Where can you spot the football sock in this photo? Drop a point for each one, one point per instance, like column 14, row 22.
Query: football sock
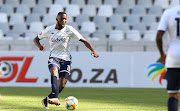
column 172, row 104
column 55, row 88
column 45, row 101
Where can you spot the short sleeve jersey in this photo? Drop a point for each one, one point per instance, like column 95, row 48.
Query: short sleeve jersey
column 170, row 21
column 59, row 40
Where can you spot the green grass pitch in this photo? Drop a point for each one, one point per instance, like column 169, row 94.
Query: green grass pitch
column 90, row 99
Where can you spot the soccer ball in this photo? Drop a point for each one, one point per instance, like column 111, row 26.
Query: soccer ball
column 71, row 103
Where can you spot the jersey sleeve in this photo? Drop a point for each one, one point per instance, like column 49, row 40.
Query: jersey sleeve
column 163, row 22
column 75, row 34
column 43, row 34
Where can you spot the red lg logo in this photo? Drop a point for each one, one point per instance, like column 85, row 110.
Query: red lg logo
column 21, row 76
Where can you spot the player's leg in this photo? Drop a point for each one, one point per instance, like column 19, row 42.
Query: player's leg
column 45, row 103
column 54, row 82
column 52, row 98
column 54, row 65
column 64, row 74
column 173, row 87
column 173, row 101
column 62, row 83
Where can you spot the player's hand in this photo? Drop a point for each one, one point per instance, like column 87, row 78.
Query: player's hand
column 162, row 59
column 94, row 54
column 42, row 47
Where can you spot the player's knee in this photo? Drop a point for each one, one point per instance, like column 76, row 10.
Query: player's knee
column 54, row 72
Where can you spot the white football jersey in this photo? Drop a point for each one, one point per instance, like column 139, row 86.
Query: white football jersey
column 59, row 40
column 170, row 21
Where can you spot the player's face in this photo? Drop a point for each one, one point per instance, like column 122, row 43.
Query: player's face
column 61, row 20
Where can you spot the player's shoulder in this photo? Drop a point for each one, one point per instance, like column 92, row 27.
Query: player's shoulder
column 69, row 26
column 51, row 27
column 172, row 10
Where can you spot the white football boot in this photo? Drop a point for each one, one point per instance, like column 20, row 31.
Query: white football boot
column 55, row 101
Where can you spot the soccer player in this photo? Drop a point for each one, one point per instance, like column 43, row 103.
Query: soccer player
column 170, row 21
column 59, row 62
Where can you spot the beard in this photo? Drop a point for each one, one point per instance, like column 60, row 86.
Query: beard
column 60, row 26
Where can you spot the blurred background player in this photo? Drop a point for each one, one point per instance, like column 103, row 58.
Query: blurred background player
column 170, row 21
column 59, row 62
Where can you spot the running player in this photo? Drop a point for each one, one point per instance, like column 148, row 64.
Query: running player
column 59, row 62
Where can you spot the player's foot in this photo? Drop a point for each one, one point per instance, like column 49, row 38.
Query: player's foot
column 45, row 103
column 55, row 101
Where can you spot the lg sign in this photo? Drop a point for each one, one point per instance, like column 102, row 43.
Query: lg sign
column 10, row 64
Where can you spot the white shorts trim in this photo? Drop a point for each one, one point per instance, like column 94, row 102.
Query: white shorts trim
column 65, row 71
column 54, row 64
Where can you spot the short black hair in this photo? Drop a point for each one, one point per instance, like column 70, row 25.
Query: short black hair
column 60, row 13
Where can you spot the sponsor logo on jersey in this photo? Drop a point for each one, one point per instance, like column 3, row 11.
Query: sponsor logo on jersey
column 58, row 39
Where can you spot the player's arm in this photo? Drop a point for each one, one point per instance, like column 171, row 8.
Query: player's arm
column 159, row 43
column 89, row 46
column 38, row 44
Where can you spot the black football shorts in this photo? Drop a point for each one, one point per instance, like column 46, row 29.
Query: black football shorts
column 173, row 80
column 63, row 66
